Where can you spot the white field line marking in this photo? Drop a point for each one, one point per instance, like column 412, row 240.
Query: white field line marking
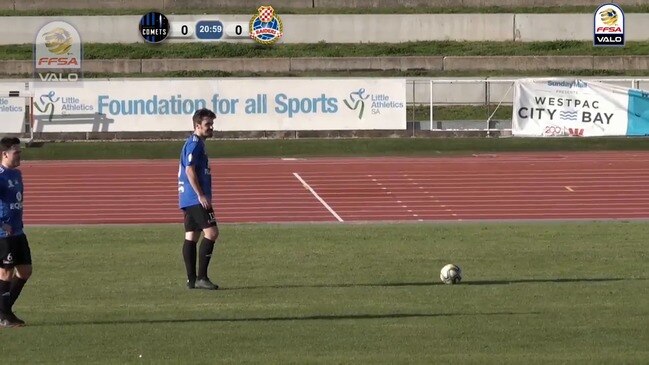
column 297, row 176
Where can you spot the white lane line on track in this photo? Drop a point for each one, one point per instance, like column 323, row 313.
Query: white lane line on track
column 297, row 176
column 388, row 192
column 585, row 173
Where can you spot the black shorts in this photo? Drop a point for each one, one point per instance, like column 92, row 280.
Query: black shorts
column 14, row 250
column 198, row 218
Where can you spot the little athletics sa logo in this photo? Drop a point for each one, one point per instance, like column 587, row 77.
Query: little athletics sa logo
column 57, row 53
column 609, row 26
column 47, row 103
column 356, row 101
column 266, row 27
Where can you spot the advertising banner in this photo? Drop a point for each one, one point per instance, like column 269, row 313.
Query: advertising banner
column 12, row 109
column 240, row 104
column 573, row 107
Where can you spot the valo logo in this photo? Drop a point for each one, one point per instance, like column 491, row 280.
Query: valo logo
column 57, row 52
column 608, row 26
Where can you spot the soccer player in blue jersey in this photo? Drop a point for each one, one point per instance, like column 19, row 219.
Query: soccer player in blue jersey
column 195, row 199
column 15, row 256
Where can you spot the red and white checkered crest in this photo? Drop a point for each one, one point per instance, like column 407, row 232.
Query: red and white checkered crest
column 266, row 13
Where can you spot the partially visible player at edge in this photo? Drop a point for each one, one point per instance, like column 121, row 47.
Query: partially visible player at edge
column 15, row 255
column 195, row 199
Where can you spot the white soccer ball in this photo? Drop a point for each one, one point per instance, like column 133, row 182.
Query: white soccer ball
column 451, row 274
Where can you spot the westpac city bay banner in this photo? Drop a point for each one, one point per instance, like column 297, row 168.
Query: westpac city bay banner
column 240, row 104
column 549, row 107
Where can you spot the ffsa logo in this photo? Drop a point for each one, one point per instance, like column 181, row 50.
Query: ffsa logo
column 608, row 26
column 57, row 52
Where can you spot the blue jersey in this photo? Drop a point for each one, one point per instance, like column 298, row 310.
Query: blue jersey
column 193, row 154
column 11, row 200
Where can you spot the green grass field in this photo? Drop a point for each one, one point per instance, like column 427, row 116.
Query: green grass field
column 323, row 49
column 314, row 147
column 328, row 293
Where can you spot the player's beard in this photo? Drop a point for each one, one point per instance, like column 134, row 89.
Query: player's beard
column 205, row 133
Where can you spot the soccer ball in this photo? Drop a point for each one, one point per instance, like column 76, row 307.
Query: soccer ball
column 451, row 274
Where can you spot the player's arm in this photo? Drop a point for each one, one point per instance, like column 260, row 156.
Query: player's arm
column 193, row 181
column 4, row 220
column 7, row 228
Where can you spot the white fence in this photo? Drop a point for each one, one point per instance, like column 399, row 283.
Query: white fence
column 423, row 98
column 488, row 92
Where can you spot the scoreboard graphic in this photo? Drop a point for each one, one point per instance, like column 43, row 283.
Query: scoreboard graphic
column 210, row 30
column 264, row 27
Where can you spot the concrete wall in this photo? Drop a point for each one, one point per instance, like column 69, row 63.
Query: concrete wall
column 391, row 28
column 83, row 4
column 461, row 3
column 539, row 27
column 6, row 4
column 206, row 4
column 416, row 63
column 520, row 63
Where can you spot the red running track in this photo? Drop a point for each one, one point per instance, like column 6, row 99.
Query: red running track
column 530, row 186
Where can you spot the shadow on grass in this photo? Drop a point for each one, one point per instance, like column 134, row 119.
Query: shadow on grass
column 566, row 280
column 331, row 317
column 318, row 317
column 428, row 283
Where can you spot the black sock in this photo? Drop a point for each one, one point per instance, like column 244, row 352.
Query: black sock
column 17, row 285
column 189, row 255
column 205, row 254
column 5, row 297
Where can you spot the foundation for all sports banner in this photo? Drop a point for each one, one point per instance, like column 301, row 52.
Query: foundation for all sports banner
column 551, row 107
column 124, row 105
